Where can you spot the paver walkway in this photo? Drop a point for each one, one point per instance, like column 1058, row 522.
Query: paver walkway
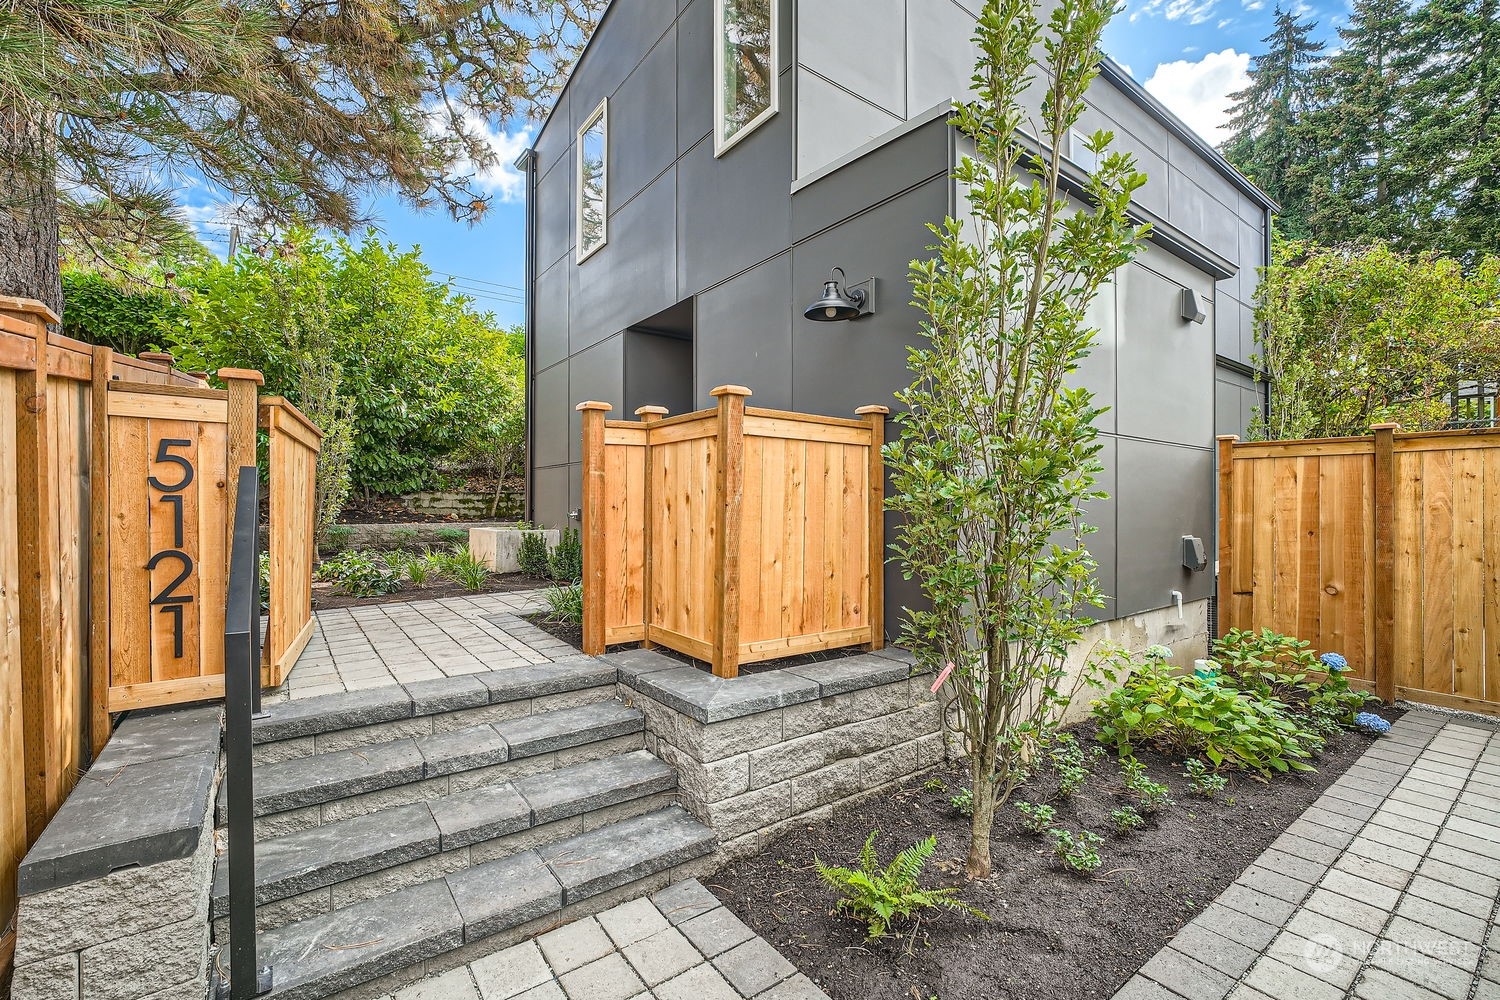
column 680, row 944
column 1385, row 889
column 402, row 642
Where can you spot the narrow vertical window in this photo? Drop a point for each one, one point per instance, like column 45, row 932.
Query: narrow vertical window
column 593, row 181
column 745, row 89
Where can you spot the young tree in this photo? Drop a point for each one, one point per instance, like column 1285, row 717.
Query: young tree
column 1352, row 336
column 297, row 107
column 997, row 453
column 1270, row 141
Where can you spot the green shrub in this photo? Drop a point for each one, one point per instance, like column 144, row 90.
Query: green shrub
column 934, row 785
column 336, row 538
column 1204, row 782
column 963, row 802
column 533, row 554
column 564, row 604
column 1036, row 819
column 566, row 561
column 1126, row 819
column 263, row 568
column 1072, row 763
column 878, row 897
column 1079, row 854
column 466, row 570
column 1150, row 796
column 1190, row 717
column 403, row 538
column 452, row 536
column 360, row 574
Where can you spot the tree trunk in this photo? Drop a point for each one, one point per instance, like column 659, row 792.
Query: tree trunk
column 28, row 207
column 982, row 773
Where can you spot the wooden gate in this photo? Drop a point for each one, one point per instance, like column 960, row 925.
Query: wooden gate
column 292, row 457
column 1384, row 548
column 733, row 535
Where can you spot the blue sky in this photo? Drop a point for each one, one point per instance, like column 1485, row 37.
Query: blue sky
column 1189, row 53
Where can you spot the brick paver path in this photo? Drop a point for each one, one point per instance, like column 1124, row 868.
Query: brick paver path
column 679, row 944
column 402, row 642
column 1385, row 889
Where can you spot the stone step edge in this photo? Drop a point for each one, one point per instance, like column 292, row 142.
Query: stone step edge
column 461, row 916
column 414, row 759
column 655, row 778
column 332, row 713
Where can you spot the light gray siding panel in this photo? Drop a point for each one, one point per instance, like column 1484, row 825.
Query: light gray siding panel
column 551, row 412
column 1153, row 196
column 940, row 56
column 831, row 122
column 858, row 44
column 549, row 333
column 744, row 335
column 633, row 276
column 1103, row 543
column 1227, row 326
column 1193, row 211
column 1164, row 493
column 1166, row 365
column 597, row 373
column 643, row 123
column 1099, row 371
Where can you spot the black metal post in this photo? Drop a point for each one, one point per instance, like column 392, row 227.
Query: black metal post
column 241, row 688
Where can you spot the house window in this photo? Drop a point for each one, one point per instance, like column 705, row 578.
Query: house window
column 745, row 58
column 593, row 182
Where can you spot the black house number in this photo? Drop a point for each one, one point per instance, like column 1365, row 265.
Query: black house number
column 168, row 601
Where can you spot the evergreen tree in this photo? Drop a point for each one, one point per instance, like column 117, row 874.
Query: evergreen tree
column 298, row 107
column 1270, row 142
column 1361, row 127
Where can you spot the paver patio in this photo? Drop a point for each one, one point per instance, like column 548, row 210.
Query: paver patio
column 403, row 642
column 680, row 944
column 1385, row 889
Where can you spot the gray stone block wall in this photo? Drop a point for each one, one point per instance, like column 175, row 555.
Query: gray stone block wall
column 750, row 777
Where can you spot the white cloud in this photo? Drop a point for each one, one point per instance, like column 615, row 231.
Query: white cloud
column 1198, row 92
column 1254, row 4
column 502, row 178
column 1191, row 11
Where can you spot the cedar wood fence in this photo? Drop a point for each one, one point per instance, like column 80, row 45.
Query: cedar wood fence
column 1385, row 548
column 117, row 480
column 734, row 534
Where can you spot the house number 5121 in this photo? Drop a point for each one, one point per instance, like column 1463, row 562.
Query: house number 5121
column 167, row 600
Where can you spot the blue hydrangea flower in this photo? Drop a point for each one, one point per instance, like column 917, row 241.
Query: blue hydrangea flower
column 1159, row 652
column 1334, row 662
column 1369, row 722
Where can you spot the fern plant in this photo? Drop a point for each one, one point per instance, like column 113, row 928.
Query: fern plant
column 878, row 897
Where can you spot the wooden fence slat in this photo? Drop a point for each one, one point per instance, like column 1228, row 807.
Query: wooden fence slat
column 1436, row 540
column 1468, row 573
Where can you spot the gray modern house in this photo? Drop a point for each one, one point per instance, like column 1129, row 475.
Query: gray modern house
column 710, row 162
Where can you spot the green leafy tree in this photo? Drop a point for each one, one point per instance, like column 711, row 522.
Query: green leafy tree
column 128, row 317
column 296, row 107
column 997, row 454
column 1351, row 336
column 1270, row 140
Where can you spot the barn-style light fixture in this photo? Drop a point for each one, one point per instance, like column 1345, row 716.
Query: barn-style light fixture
column 837, row 304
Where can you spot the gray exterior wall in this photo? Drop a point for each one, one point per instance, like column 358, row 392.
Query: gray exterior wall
column 742, row 243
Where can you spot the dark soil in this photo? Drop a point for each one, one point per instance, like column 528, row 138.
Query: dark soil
column 325, row 596
column 1051, row 936
column 573, row 635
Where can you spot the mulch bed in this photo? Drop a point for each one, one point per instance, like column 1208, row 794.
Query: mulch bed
column 325, row 597
column 573, row 635
column 1051, row 935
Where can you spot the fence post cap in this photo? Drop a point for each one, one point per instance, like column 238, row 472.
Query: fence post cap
column 657, row 411
column 245, row 374
column 590, row 404
column 1227, row 437
column 730, row 390
column 865, row 411
column 161, row 357
column 33, row 307
column 1385, row 427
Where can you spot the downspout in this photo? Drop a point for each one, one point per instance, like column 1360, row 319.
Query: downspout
column 526, row 163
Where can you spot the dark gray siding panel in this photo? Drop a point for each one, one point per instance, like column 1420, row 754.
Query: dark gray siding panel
column 695, row 74
column 643, row 123
column 658, row 372
column 1164, row 492
column 744, row 335
column 917, row 156
column 550, row 496
column 554, row 213
column 556, row 135
column 1166, row 365
column 633, row 277
column 597, row 373
column 549, row 332
column 733, row 211
column 552, row 410
column 630, row 29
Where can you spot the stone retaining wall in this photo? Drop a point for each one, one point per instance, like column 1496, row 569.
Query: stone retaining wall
column 115, row 893
column 758, row 752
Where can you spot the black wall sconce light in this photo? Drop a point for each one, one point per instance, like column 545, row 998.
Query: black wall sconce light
column 1192, row 310
column 838, row 304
